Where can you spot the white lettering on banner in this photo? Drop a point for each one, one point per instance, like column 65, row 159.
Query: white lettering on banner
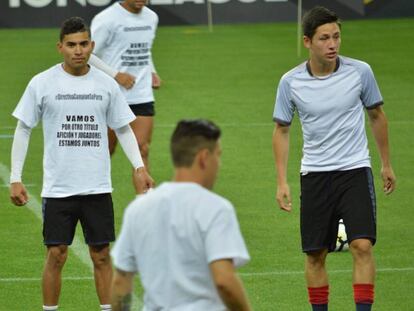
column 59, row 3
column 162, row 2
column 191, row 1
column 64, row 3
column 33, row 3
column 99, row 2
column 219, row 1
column 179, row 2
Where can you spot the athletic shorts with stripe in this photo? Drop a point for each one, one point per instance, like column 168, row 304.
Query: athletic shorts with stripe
column 327, row 197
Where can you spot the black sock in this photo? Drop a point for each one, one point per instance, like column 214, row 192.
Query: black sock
column 363, row 307
column 320, row 308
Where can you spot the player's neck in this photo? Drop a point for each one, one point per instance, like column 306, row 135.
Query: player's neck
column 129, row 9
column 75, row 71
column 322, row 68
column 188, row 175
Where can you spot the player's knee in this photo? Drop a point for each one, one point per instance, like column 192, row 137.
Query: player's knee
column 101, row 261
column 100, row 257
column 57, row 255
column 316, row 260
column 361, row 248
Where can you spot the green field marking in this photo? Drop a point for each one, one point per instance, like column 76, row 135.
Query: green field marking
column 229, row 76
column 79, row 248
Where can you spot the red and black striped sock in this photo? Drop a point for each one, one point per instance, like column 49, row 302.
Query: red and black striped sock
column 318, row 297
column 363, row 296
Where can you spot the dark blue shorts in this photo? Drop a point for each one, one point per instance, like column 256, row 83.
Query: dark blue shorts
column 95, row 213
column 144, row 109
column 327, row 197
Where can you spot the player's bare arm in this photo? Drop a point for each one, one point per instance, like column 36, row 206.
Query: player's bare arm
column 122, row 290
column 281, row 153
column 229, row 286
column 125, row 79
column 156, row 81
column 379, row 126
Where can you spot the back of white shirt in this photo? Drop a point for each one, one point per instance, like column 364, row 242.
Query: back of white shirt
column 124, row 40
column 170, row 236
column 75, row 112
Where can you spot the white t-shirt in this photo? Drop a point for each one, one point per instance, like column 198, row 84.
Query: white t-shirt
column 123, row 40
column 331, row 111
column 170, row 236
column 75, row 112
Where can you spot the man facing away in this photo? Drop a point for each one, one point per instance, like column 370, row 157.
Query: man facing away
column 330, row 93
column 183, row 239
column 76, row 104
column 123, row 35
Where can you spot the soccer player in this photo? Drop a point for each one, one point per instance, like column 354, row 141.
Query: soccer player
column 329, row 93
column 76, row 103
column 181, row 238
column 123, row 35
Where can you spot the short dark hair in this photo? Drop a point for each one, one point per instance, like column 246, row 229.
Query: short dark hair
column 316, row 17
column 189, row 137
column 73, row 25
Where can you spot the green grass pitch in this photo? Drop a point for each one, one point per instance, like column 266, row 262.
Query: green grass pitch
column 229, row 76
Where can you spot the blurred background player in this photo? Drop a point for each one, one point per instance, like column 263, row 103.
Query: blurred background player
column 123, row 35
column 183, row 239
column 330, row 93
column 76, row 104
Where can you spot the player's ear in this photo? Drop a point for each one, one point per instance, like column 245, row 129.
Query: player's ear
column 59, row 46
column 202, row 157
column 93, row 45
column 307, row 42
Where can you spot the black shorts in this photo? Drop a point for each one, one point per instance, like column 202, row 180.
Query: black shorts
column 144, row 109
column 95, row 213
column 327, row 197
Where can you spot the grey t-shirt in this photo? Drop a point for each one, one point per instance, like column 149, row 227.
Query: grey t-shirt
column 331, row 111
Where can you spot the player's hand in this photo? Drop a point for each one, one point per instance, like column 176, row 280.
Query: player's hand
column 388, row 177
column 125, row 79
column 156, row 81
column 18, row 194
column 145, row 181
column 283, row 197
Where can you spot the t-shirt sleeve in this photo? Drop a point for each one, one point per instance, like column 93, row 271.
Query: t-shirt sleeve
column 29, row 108
column 122, row 252
column 284, row 109
column 119, row 114
column 370, row 94
column 101, row 35
column 223, row 239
